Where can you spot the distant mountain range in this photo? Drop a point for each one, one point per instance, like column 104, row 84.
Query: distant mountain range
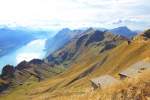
column 124, row 31
column 66, row 34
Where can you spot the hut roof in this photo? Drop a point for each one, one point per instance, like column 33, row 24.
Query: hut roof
column 136, row 68
column 104, row 81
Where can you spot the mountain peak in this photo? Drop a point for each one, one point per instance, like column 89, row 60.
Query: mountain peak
column 125, row 27
column 123, row 31
column 122, row 28
column 64, row 30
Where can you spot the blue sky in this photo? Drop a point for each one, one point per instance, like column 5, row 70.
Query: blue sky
column 75, row 13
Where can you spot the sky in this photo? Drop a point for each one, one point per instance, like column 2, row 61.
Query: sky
column 49, row 14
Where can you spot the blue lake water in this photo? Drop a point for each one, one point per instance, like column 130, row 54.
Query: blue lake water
column 34, row 49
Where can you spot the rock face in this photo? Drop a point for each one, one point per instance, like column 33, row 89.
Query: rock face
column 22, row 65
column 6, row 77
column 80, row 41
column 8, row 72
column 147, row 34
column 36, row 61
column 97, row 36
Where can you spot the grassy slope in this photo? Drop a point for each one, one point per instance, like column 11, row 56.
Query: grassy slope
column 137, row 88
column 59, row 86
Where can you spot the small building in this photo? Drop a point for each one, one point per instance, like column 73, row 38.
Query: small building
column 134, row 69
column 103, row 81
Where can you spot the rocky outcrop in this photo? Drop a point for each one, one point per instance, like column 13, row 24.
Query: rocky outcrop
column 22, row 65
column 97, row 36
column 15, row 76
column 147, row 34
column 81, row 40
column 36, row 61
column 8, row 72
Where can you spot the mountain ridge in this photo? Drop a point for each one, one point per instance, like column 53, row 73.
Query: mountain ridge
column 124, row 31
column 108, row 54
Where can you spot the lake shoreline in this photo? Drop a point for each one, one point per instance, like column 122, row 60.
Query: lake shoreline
column 29, row 51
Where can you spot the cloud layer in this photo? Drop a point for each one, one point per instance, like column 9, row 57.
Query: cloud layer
column 75, row 13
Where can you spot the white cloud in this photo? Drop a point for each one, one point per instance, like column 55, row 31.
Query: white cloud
column 71, row 13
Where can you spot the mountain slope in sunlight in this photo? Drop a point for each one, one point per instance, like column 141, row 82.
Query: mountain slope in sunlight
column 91, row 55
column 89, row 64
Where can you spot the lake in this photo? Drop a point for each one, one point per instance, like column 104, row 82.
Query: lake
column 34, row 49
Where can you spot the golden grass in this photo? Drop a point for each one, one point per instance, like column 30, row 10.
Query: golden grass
column 137, row 88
